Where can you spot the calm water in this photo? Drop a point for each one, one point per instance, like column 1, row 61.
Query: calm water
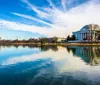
column 49, row 65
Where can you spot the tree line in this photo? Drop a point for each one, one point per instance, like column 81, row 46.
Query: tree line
column 40, row 40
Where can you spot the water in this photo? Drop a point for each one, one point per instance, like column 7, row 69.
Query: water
column 49, row 65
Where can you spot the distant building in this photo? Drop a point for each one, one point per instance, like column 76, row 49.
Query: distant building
column 89, row 32
column 60, row 39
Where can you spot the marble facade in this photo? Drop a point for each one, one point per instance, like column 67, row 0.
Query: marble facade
column 88, row 32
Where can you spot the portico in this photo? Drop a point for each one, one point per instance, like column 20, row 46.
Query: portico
column 88, row 32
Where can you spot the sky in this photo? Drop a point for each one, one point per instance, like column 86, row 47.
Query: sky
column 24, row 19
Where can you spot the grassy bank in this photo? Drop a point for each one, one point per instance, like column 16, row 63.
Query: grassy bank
column 55, row 44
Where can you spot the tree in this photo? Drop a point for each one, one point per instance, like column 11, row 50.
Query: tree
column 68, row 37
column 55, row 39
column 99, row 37
column 73, row 37
column 43, row 40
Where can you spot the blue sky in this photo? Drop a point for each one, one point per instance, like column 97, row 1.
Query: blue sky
column 25, row 19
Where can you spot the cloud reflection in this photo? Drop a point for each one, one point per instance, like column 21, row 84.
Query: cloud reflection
column 64, row 64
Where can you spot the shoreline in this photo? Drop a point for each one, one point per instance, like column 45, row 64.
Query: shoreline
column 54, row 44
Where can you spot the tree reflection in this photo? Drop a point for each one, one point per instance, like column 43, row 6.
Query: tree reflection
column 71, row 49
column 46, row 48
column 90, row 54
column 42, row 47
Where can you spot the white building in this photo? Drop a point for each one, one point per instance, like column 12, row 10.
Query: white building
column 60, row 39
column 89, row 32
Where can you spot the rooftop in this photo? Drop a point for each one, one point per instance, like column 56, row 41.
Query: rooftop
column 91, row 27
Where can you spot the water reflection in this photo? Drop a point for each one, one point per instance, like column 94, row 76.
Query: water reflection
column 46, row 48
column 49, row 65
column 90, row 54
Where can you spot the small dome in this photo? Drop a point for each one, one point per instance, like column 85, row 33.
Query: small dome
column 91, row 27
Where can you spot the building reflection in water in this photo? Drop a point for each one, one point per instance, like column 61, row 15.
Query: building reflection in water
column 90, row 54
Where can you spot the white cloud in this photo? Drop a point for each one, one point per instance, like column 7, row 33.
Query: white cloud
column 23, row 27
column 64, row 4
column 40, row 13
column 32, row 18
column 63, row 22
column 51, row 4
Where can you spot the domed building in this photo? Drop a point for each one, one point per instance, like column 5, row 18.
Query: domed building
column 89, row 32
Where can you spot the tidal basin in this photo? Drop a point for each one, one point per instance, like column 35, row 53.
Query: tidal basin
column 50, row 65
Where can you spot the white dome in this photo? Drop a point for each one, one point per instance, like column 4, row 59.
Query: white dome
column 91, row 27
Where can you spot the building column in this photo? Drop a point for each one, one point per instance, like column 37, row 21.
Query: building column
column 78, row 36
column 85, row 35
column 81, row 36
